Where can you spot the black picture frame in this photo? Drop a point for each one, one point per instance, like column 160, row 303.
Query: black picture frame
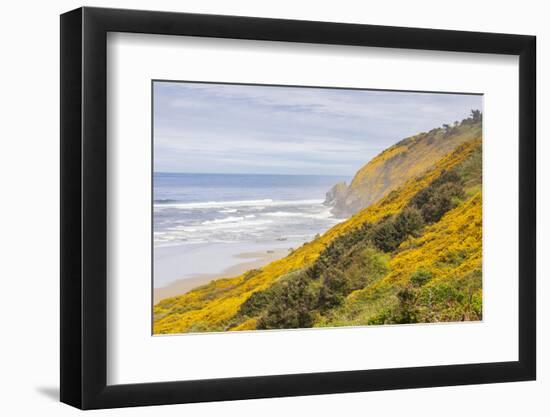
column 84, row 207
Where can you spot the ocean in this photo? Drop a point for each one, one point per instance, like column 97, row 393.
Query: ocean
column 203, row 221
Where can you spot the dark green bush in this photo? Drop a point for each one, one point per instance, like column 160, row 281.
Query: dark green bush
column 388, row 234
column 290, row 306
column 408, row 222
column 255, row 304
column 443, row 194
column 385, row 236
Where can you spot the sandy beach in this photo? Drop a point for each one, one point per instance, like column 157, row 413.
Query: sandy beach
column 249, row 260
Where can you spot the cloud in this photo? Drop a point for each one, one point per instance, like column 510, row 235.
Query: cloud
column 261, row 129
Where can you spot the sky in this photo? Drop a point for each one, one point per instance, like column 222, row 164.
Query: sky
column 254, row 129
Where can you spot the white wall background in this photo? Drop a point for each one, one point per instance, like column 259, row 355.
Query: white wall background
column 29, row 229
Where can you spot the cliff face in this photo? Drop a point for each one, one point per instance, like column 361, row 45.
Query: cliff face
column 394, row 166
column 335, row 194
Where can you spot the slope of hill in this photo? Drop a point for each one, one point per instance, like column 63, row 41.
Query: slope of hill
column 422, row 263
column 431, row 278
column 402, row 161
column 317, row 284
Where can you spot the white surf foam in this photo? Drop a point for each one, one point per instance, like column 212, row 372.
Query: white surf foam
column 227, row 205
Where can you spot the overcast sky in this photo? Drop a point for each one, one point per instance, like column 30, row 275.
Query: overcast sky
column 215, row 128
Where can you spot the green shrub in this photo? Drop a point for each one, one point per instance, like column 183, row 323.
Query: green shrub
column 420, row 277
column 406, row 311
column 443, row 194
column 255, row 304
column 385, row 236
column 374, row 263
column 388, row 234
column 290, row 307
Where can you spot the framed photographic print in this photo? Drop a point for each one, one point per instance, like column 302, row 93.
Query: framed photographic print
column 258, row 207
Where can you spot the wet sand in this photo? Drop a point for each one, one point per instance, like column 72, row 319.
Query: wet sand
column 251, row 260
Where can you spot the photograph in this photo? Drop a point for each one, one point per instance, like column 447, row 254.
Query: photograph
column 293, row 207
column 273, row 205
column 267, row 209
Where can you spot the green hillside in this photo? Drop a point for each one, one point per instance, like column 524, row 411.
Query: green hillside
column 413, row 255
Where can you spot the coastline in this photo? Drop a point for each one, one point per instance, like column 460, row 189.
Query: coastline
column 250, row 260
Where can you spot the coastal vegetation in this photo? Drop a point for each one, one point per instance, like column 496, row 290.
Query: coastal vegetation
column 410, row 252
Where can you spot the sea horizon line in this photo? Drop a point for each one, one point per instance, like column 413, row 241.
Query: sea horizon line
column 249, row 173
